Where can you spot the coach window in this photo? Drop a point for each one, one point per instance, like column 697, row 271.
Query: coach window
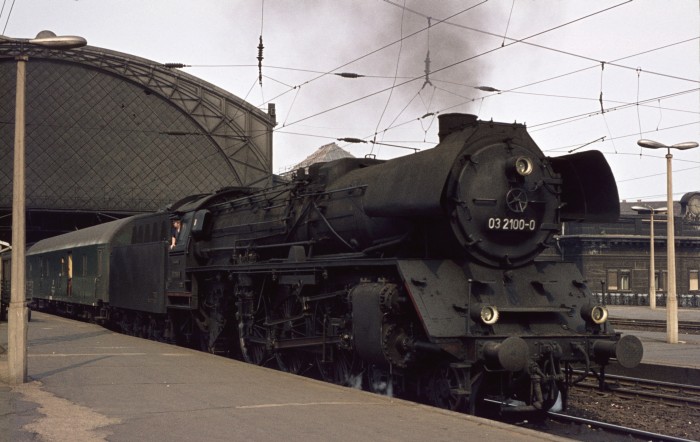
column 99, row 262
column 693, row 281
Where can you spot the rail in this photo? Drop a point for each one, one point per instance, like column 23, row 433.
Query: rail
column 618, row 429
column 657, row 391
column 683, row 326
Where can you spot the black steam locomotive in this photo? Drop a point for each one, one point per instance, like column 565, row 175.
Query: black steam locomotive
column 421, row 276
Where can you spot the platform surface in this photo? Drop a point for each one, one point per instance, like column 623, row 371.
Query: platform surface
column 686, row 353
column 90, row 384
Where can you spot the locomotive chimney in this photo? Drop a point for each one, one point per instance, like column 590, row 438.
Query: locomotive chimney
column 453, row 122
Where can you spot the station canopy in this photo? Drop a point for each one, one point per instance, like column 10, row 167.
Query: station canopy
column 109, row 134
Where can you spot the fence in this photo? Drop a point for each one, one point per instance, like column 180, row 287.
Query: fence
column 685, row 300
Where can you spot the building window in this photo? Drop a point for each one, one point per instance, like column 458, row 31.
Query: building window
column 656, row 281
column 612, row 279
column 619, row 280
column 693, row 280
column 662, row 282
column 624, row 280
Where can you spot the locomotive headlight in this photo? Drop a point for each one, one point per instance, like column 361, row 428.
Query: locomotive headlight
column 523, row 166
column 597, row 314
column 489, row 315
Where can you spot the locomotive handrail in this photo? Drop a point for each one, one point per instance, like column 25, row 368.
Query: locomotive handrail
column 249, row 198
column 543, row 309
column 282, row 265
column 238, row 226
column 252, row 246
column 386, row 243
column 332, row 230
column 329, row 192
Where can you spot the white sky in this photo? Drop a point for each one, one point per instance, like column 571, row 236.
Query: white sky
column 304, row 38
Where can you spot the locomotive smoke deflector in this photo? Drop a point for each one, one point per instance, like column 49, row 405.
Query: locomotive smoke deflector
column 589, row 192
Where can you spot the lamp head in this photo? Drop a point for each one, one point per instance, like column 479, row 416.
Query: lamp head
column 651, row 144
column 51, row 40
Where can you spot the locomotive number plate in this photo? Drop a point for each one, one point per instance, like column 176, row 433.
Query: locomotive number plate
column 515, row 224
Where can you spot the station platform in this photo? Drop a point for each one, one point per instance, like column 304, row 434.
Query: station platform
column 686, row 353
column 87, row 383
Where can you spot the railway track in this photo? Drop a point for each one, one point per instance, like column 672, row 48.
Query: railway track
column 619, row 430
column 649, row 390
column 569, row 425
column 647, row 406
column 689, row 327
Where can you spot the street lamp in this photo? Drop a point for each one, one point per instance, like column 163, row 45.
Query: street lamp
column 671, row 300
column 652, row 270
column 18, row 313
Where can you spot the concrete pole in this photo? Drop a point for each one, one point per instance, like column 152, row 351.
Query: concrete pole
column 671, row 300
column 17, row 313
column 652, row 270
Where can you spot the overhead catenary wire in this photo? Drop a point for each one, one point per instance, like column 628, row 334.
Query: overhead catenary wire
column 513, row 41
column 2, row 9
column 451, row 65
column 517, row 89
column 396, row 71
column 549, row 124
column 512, row 6
column 482, row 98
column 329, row 72
column 523, row 41
column 638, row 70
column 619, row 137
column 460, row 12
column 9, row 14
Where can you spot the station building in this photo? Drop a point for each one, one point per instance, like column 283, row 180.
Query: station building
column 615, row 257
column 110, row 135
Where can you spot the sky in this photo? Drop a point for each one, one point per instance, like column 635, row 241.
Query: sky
column 581, row 75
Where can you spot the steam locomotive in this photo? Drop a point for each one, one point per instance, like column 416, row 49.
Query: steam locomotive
column 422, row 276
